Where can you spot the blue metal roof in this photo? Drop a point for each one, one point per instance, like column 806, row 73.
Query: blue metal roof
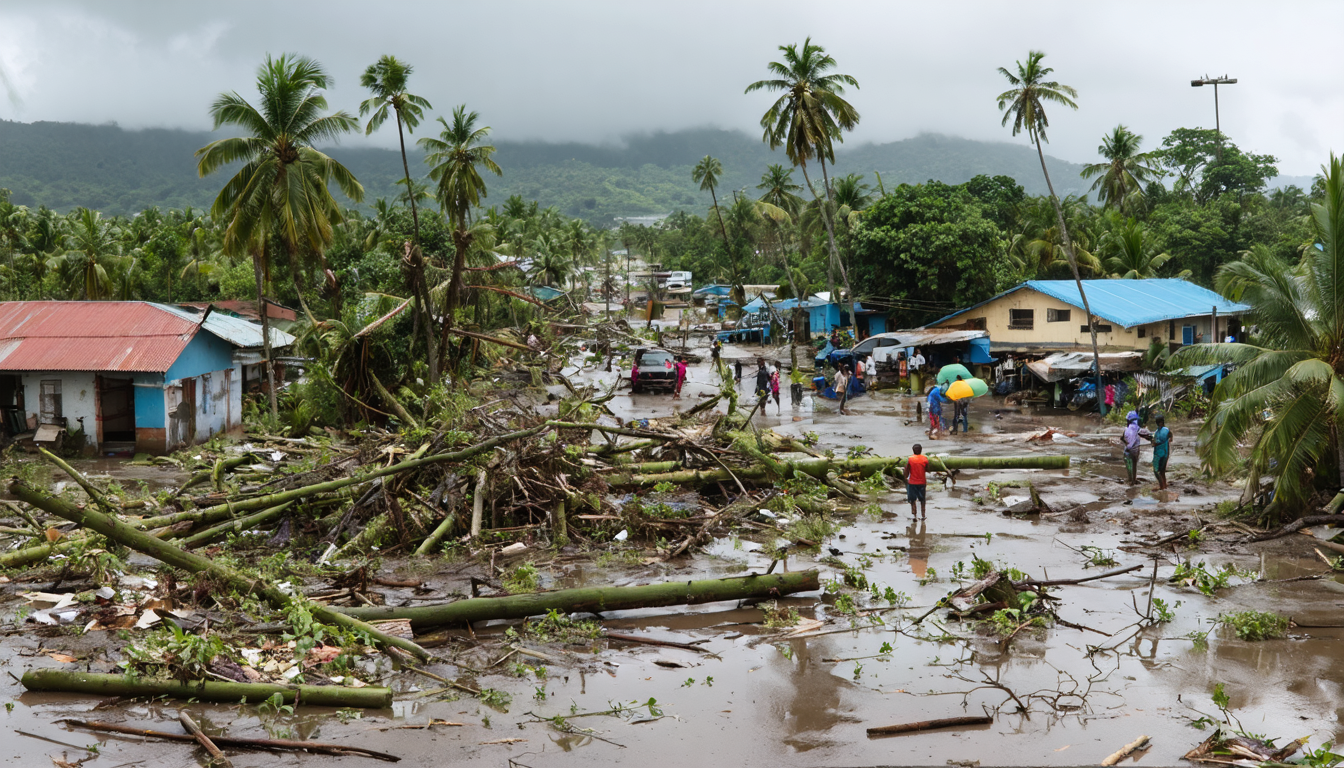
column 712, row 290
column 757, row 304
column 1130, row 302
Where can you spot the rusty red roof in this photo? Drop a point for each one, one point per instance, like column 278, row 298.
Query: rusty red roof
column 131, row 336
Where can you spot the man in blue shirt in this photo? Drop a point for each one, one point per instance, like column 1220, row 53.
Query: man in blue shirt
column 1161, row 450
column 935, row 413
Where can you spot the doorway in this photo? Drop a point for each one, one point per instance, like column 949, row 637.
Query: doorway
column 116, row 410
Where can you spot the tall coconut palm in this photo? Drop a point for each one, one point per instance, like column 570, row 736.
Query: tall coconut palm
column 92, row 249
column 1121, row 178
column 387, row 79
column 281, row 191
column 1132, row 253
column 779, row 203
column 807, row 119
column 1286, row 397
column 1024, row 105
column 706, row 173
column 455, row 158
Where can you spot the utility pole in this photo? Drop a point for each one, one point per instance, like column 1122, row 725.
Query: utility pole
column 1215, row 82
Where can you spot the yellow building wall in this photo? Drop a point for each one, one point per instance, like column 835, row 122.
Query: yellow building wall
column 1067, row 334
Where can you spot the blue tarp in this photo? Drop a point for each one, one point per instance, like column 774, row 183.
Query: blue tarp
column 1130, row 302
column 712, row 290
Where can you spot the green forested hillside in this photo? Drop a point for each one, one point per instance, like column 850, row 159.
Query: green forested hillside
column 65, row 165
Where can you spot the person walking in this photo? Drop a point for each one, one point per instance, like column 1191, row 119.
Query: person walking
column 935, row 404
column 916, row 482
column 737, row 375
column 959, row 409
column 841, row 386
column 1133, row 433
column 715, row 350
column 762, row 384
column 1161, row 451
column 796, row 379
column 681, row 377
column 774, row 388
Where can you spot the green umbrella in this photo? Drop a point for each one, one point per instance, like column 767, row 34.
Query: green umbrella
column 951, row 372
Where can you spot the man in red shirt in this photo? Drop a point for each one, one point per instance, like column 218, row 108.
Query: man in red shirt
column 915, row 482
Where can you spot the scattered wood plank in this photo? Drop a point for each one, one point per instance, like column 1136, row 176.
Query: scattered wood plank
column 929, row 725
column 281, row 745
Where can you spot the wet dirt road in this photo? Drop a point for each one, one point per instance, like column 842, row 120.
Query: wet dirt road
column 758, row 698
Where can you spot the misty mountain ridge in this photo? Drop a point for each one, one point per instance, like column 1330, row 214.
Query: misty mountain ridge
column 118, row 171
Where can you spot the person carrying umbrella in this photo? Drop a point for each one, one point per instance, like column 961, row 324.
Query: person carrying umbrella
column 935, row 413
column 959, row 407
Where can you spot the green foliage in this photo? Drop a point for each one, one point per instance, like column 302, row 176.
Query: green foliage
column 932, row 237
column 1255, row 625
column 556, row 627
column 1162, row 613
column 1199, row 576
column 523, row 578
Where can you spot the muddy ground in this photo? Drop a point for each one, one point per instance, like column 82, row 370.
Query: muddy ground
column 757, row 696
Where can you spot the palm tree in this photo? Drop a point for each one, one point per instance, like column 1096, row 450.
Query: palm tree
column 1131, row 253
column 92, row 248
column 1023, row 104
column 386, row 79
column 779, row 203
column 281, row 191
column 1121, row 178
column 1286, row 396
column 454, row 158
column 808, row 119
column 1037, row 247
column 706, row 173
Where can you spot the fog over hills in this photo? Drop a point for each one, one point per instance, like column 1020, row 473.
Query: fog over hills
column 66, row 165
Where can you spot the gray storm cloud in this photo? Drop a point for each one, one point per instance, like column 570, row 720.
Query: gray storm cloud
column 594, row 71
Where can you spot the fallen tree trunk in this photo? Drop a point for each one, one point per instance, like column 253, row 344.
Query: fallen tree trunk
column 928, row 725
column 234, row 526
column 61, row 681
column 818, row 468
column 1298, row 525
column 162, row 551
column 288, row 745
column 595, row 599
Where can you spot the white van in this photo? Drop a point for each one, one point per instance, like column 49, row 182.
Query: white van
column 677, row 280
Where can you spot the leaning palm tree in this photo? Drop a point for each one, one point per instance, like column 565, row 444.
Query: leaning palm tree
column 281, row 191
column 779, row 203
column 1286, row 397
column 1024, row 105
column 455, row 158
column 706, row 173
column 1131, row 252
column 807, row 120
column 1121, row 178
column 386, row 79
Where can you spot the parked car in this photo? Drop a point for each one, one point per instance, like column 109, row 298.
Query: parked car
column 864, row 348
column 656, row 370
column 677, row 280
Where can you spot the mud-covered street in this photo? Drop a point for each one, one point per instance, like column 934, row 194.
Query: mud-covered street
column 802, row 690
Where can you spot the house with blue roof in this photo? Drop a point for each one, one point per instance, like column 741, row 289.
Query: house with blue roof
column 822, row 314
column 1048, row 315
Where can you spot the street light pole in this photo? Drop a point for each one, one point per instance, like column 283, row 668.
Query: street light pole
column 1217, row 124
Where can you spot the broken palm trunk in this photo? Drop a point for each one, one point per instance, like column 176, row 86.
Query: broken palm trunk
column 595, row 599
column 94, row 684
column 164, row 552
column 818, row 468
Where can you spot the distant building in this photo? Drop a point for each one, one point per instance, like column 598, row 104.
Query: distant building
column 1047, row 315
column 127, row 372
column 822, row 314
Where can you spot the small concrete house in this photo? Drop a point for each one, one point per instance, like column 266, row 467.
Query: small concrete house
column 129, row 373
column 1047, row 315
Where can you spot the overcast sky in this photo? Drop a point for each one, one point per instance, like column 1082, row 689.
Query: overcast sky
column 593, row 71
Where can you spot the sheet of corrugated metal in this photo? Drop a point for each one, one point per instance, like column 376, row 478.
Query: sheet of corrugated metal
column 130, row 336
column 1138, row 302
column 235, row 330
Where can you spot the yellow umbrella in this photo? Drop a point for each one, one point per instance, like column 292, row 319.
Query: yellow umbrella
column 967, row 388
column 960, row 390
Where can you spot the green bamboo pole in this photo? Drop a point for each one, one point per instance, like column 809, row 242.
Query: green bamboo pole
column 233, row 526
column 164, row 552
column 427, row 546
column 595, row 599
column 102, row 685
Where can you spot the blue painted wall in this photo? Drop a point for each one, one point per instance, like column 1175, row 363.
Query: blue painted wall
column 205, row 353
column 149, row 402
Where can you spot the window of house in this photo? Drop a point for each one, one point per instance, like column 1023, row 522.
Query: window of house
column 1022, row 318
column 1143, row 331
column 1057, row 315
column 206, row 400
column 1100, row 328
